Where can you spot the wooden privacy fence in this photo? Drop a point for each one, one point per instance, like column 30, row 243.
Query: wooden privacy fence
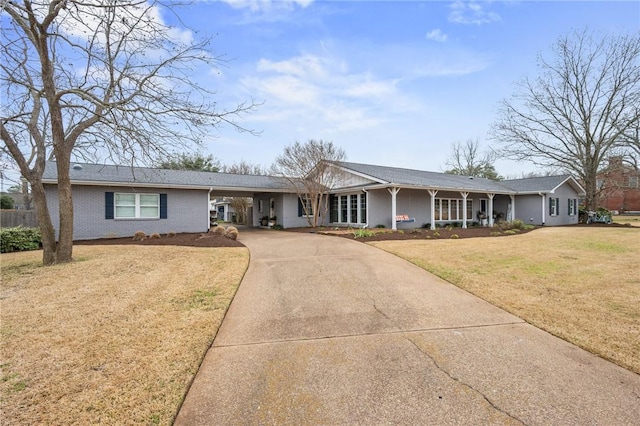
column 11, row 218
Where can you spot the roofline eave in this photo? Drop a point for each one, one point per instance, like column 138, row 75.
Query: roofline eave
column 172, row 186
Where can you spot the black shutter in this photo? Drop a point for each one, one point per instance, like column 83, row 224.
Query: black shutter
column 551, row 206
column 163, row 206
column 108, row 205
column 300, row 209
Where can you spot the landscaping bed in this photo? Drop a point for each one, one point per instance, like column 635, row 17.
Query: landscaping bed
column 185, row 240
column 447, row 232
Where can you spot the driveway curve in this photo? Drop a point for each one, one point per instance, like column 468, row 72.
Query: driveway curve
column 324, row 330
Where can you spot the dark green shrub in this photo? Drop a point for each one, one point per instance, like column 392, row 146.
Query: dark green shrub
column 604, row 212
column 583, row 214
column 426, row 226
column 380, row 226
column 6, row 202
column 19, row 239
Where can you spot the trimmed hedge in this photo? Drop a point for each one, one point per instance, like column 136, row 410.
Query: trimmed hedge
column 19, row 239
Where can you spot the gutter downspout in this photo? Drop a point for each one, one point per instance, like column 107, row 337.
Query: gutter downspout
column 209, row 208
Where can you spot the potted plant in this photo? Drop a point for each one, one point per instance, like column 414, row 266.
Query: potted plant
column 272, row 221
column 264, row 220
column 482, row 217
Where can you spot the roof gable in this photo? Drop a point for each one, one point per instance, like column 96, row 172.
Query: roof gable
column 544, row 184
column 420, row 178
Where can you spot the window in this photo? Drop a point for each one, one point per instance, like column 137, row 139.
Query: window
column 260, row 206
column 137, row 206
column 633, row 181
column 305, row 206
column 553, row 206
column 363, row 208
column 573, row 206
column 452, row 209
column 333, row 208
column 343, row 209
column 353, row 208
column 350, row 208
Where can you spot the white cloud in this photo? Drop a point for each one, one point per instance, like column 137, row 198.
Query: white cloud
column 471, row 12
column 266, row 5
column 305, row 66
column 320, row 94
column 436, row 35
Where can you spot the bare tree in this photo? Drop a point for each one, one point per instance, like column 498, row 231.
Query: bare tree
column 241, row 204
column 310, row 170
column 574, row 114
column 104, row 79
column 467, row 160
column 244, row 168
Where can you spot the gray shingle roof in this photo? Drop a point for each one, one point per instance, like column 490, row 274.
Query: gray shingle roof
column 98, row 174
column 421, row 178
column 108, row 174
column 536, row 184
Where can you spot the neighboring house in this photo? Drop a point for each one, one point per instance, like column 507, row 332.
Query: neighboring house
column 223, row 209
column 112, row 201
column 619, row 186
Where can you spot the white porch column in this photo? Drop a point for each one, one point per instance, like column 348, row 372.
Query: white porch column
column 544, row 208
column 513, row 207
column 433, row 194
column 490, row 212
column 394, row 191
column 464, row 209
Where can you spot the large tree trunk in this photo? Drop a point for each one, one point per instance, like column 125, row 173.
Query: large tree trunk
column 47, row 231
column 65, row 237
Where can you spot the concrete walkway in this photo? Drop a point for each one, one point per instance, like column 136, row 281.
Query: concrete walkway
column 324, row 330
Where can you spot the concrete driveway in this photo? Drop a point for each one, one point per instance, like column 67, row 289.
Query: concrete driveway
column 324, row 330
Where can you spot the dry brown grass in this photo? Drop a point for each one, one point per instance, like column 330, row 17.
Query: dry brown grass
column 114, row 337
column 633, row 220
column 581, row 284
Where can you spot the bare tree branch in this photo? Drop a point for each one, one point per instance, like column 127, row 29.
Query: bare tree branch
column 310, row 170
column 579, row 111
column 466, row 160
column 103, row 81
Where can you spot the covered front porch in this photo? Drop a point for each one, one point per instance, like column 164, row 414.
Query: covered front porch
column 399, row 207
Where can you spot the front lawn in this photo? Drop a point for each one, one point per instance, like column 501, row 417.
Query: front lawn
column 115, row 337
column 579, row 283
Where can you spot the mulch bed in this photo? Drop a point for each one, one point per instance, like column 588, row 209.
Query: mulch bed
column 426, row 234
column 212, row 240
column 409, row 234
column 188, row 240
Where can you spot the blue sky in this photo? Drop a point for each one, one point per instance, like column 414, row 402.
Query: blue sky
column 391, row 82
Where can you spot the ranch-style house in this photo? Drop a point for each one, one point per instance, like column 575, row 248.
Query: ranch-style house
column 117, row 201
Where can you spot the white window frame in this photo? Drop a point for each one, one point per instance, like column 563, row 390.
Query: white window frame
column 458, row 209
column 553, row 206
column 137, row 206
column 306, row 202
column 361, row 201
column 573, row 206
